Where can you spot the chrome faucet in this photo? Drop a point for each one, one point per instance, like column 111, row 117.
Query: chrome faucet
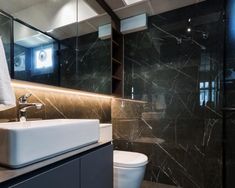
column 24, row 105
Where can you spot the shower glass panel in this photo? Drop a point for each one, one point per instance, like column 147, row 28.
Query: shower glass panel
column 175, row 67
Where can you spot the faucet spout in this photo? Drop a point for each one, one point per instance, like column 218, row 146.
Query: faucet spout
column 24, row 106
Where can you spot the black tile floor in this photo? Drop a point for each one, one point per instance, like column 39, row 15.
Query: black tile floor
column 149, row 184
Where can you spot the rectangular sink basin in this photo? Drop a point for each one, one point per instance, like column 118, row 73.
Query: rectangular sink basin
column 24, row 143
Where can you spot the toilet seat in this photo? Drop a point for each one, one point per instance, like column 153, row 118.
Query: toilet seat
column 129, row 159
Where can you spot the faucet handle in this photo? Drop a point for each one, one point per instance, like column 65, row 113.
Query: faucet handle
column 24, row 98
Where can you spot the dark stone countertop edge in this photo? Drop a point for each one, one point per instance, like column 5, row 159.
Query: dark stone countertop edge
column 7, row 174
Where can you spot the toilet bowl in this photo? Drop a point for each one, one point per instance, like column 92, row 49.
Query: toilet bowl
column 129, row 169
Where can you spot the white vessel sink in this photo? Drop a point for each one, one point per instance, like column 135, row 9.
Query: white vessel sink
column 23, row 143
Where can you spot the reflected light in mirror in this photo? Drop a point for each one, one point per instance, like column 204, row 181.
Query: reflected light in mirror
column 50, row 31
column 85, row 11
column 65, row 15
column 43, row 58
column 129, row 2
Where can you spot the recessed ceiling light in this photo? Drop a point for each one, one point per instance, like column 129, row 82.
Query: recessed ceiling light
column 129, row 2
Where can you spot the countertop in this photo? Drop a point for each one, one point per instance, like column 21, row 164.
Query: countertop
column 8, row 174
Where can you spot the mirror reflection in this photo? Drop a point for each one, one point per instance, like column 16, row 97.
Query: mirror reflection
column 5, row 34
column 87, row 66
column 70, row 51
column 35, row 56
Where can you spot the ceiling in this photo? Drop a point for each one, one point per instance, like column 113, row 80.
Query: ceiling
column 151, row 7
column 12, row 6
column 44, row 14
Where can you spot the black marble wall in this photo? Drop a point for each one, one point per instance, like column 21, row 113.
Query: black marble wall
column 86, row 63
column 229, row 114
column 179, row 74
column 59, row 103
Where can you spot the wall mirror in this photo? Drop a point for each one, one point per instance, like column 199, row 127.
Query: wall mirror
column 5, row 34
column 57, row 42
column 35, row 56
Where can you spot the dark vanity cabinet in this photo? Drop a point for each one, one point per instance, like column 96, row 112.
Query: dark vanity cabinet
column 93, row 169
column 65, row 175
column 97, row 169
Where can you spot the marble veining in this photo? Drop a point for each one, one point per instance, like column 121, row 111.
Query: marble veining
column 179, row 76
column 85, row 65
column 58, row 105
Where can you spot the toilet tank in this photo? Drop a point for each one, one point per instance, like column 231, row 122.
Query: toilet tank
column 106, row 132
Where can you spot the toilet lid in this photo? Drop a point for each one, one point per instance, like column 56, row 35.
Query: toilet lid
column 129, row 159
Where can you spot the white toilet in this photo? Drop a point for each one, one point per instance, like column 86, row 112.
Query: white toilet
column 129, row 169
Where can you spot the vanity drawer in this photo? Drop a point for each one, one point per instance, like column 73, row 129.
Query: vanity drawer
column 97, row 168
column 91, row 169
column 66, row 175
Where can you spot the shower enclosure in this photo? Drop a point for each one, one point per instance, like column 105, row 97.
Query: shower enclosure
column 182, row 70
